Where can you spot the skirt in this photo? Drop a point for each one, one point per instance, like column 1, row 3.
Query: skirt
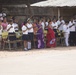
column 25, row 37
column 31, row 36
column 11, row 36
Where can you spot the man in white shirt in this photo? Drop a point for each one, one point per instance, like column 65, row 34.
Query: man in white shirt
column 72, row 32
column 66, row 33
column 47, row 24
column 75, row 28
column 60, row 23
column 55, row 26
column 43, row 24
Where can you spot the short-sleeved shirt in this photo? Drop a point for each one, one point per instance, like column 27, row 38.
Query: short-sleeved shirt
column 1, row 29
column 43, row 25
column 11, row 29
column 54, row 24
column 46, row 23
column 24, row 28
column 73, row 27
column 30, row 26
column 66, row 28
column 59, row 22
column 15, row 25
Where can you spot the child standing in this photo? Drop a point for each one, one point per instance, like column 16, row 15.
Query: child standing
column 30, row 34
column 11, row 32
column 25, row 35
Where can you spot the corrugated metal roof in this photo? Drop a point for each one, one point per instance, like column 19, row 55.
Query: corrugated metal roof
column 15, row 2
column 56, row 3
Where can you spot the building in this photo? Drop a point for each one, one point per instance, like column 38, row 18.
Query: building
column 65, row 8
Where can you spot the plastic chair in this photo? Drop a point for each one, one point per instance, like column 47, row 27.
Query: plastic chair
column 6, row 41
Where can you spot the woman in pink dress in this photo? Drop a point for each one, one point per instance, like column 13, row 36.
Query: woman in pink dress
column 4, row 24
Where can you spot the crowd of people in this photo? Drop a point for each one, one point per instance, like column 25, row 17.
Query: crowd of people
column 35, row 27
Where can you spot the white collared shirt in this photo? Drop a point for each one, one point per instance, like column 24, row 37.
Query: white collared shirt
column 29, row 26
column 59, row 22
column 46, row 23
column 66, row 29
column 15, row 25
column 43, row 25
column 24, row 28
column 11, row 29
column 1, row 29
column 73, row 27
column 54, row 24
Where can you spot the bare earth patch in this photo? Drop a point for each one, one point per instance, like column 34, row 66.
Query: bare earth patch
column 19, row 52
column 50, row 61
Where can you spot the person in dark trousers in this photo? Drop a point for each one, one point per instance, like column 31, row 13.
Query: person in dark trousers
column 72, row 32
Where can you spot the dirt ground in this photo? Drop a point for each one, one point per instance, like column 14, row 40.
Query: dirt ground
column 12, row 53
column 51, row 61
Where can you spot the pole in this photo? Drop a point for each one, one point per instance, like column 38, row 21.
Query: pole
column 58, row 12
column 29, row 8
